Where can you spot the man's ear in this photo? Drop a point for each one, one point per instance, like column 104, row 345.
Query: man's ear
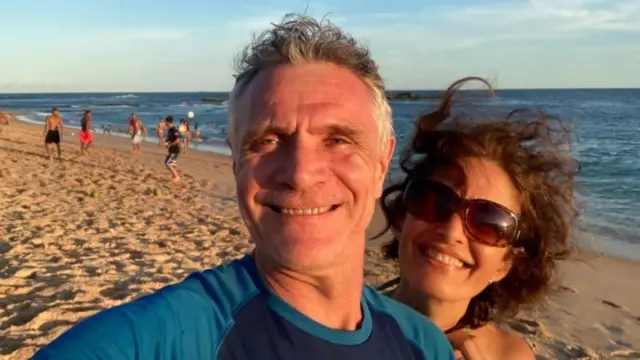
column 233, row 158
column 383, row 166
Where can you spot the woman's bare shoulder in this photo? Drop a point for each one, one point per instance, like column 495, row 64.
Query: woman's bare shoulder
column 513, row 346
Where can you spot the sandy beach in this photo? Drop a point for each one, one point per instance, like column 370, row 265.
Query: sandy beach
column 88, row 233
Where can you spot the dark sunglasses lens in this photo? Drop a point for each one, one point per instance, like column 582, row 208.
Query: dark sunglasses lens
column 490, row 223
column 430, row 201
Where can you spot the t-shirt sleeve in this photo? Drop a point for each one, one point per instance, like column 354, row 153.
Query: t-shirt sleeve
column 169, row 324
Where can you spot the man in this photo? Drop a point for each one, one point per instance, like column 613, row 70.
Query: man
column 86, row 137
column 311, row 139
column 53, row 132
column 173, row 148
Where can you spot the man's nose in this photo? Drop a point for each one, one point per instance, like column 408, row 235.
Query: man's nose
column 302, row 166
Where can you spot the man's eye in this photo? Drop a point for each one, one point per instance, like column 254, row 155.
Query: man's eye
column 264, row 144
column 337, row 141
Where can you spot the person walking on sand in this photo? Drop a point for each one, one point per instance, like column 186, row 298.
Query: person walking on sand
column 86, row 137
column 311, row 138
column 196, row 131
column 137, row 131
column 53, row 132
column 183, row 130
column 160, row 131
column 5, row 119
column 173, row 149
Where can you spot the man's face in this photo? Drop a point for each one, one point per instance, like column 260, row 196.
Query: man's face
column 308, row 164
column 56, row 112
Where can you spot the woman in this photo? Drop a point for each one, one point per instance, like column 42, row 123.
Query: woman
column 86, row 137
column 480, row 222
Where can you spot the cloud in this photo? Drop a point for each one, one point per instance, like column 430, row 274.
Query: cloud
column 474, row 25
column 137, row 34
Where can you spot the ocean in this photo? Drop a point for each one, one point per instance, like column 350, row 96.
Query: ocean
column 607, row 140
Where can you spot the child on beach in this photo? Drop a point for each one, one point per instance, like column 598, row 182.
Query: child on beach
column 173, row 147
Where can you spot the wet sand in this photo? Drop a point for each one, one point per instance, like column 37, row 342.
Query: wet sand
column 88, row 233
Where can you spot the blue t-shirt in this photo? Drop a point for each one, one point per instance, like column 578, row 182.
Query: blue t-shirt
column 227, row 313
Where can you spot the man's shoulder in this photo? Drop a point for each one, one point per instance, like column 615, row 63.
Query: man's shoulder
column 225, row 287
column 192, row 315
column 416, row 328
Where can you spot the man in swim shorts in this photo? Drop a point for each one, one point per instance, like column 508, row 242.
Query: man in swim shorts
column 53, row 132
column 86, row 137
column 311, row 138
column 173, row 148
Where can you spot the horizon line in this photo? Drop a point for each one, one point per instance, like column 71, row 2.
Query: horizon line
column 389, row 90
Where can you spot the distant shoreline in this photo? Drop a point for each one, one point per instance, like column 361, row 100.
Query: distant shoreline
column 499, row 88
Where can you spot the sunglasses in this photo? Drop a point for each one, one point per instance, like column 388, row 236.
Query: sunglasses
column 485, row 221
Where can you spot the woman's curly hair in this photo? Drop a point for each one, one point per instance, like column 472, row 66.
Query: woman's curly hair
column 535, row 152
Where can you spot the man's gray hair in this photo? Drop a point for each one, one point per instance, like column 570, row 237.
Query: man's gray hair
column 301, row 39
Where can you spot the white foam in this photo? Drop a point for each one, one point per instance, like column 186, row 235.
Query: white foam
column 29, row 120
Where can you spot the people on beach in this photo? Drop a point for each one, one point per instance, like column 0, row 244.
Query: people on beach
column 137, row 132
column 106, row 129
column 160, row 131
column 481, row 221
column 184, row 134
column 311, row 138
column 196, row 131
column 53, row 125
column 173, row 149
column 188, row 139
column 86, row 136
column 5, row 119
column 130, row 120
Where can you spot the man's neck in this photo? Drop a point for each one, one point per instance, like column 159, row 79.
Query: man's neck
column 445, row 314
column 332, row 299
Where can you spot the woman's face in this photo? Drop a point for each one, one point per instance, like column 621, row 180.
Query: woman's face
column 441, row 259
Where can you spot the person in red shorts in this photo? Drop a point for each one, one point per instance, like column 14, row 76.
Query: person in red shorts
column 86, row 138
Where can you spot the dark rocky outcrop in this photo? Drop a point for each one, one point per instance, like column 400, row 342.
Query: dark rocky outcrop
column 213, row 100
column 406, row 96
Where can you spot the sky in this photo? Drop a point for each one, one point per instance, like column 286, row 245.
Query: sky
column 189, row 45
